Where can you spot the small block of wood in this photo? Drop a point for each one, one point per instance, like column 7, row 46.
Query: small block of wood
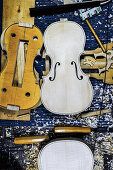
column 95, row 113
column 13, row 115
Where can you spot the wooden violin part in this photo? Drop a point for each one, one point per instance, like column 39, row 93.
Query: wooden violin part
column 104, row 65
column 18, row 88
column 66, row 89
column 66, row 154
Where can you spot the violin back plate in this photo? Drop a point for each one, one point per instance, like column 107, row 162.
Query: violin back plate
column 66, row 155
column 66, row 89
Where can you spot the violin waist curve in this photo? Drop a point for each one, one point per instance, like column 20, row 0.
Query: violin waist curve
column 66, row 89
column 17, row 82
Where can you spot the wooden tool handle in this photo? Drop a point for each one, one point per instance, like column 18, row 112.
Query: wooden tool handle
column 72, row 130
column 31, row 139
column 96, row 36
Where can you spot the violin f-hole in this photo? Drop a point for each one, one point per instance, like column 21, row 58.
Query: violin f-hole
column 76, row 71
column 50, row 78
column 20, row 63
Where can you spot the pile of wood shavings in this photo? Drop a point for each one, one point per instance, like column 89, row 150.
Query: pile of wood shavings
column 31, row 156
column 103, row 146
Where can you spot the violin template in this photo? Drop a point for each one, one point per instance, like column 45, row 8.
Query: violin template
column 18, row 88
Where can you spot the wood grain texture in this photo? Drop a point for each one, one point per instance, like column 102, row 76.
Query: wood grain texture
column 95, row 35
column 108, row 46
column 13, row 115
column 95, row 113
column 107, row 76
column 72, row 130
column 15, row 95
column 15, row 11
column 66, row 155
column 21, row 57
column 67, row 93
column 31, row 139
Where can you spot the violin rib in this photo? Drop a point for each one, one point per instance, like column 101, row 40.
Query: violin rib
column 71, row 91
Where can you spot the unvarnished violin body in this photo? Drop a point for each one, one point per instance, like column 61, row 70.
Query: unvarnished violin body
column 18, row 88
column 66, row 89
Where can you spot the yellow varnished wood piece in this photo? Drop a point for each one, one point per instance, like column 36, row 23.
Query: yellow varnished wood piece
column 72, row 130
column 106, row 77
column 97, row 63
column 47, row 64
column 21, row 56
column 108, row 46
column 31, row 139
column 15, row 11
column 16, row 95
column 14, row 115
column 95, row 35
column 95, row 113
